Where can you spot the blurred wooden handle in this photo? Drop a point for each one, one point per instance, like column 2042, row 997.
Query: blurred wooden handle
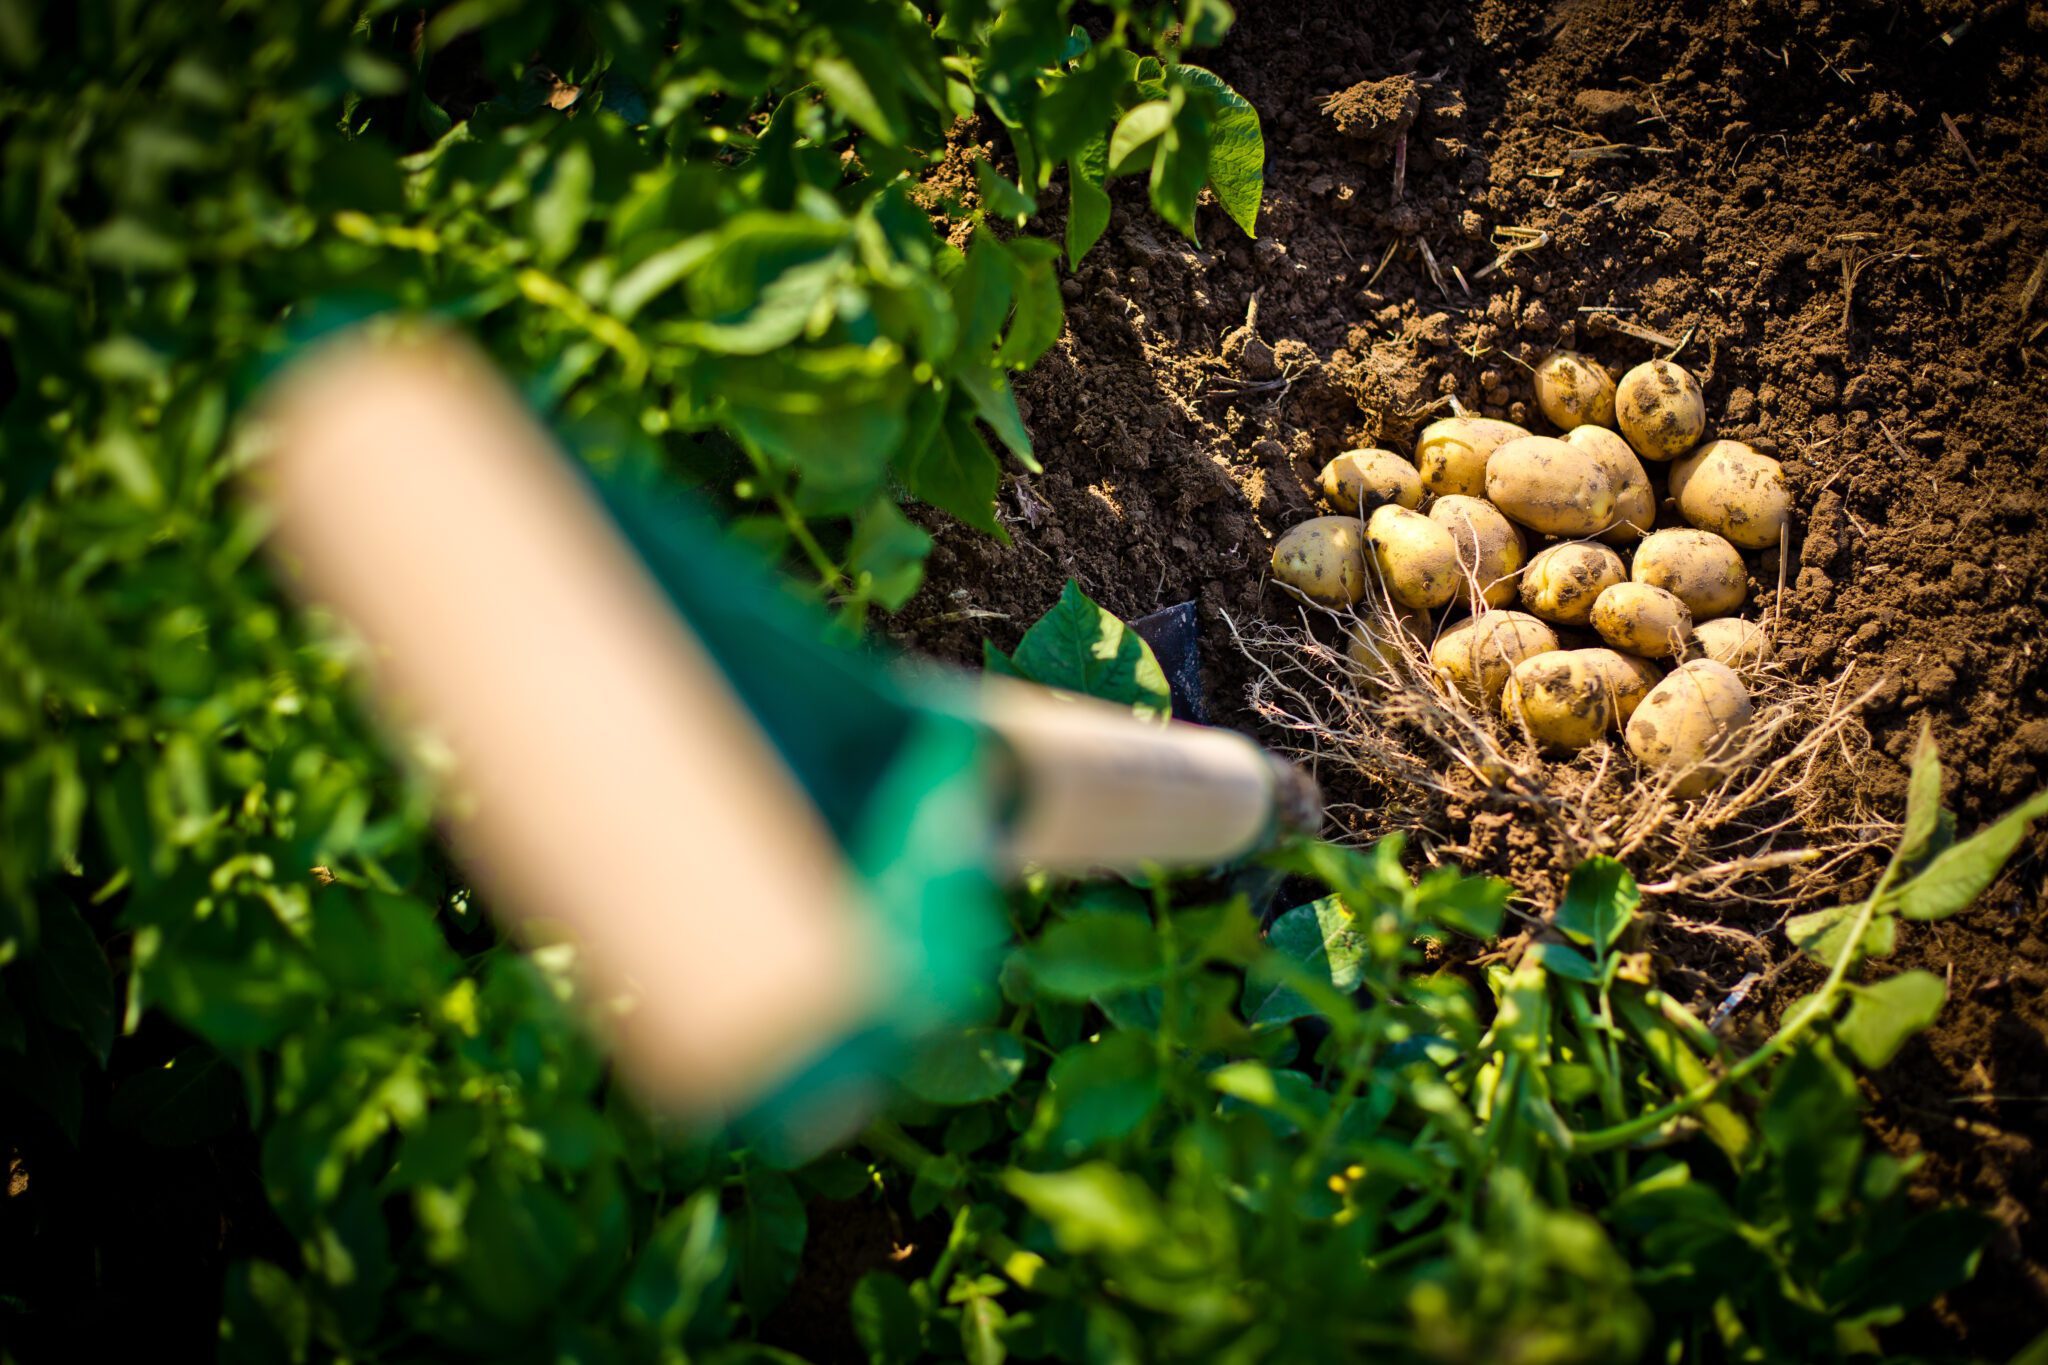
column 617, row 790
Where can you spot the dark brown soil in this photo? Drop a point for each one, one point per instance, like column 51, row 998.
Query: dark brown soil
column 1844, row 205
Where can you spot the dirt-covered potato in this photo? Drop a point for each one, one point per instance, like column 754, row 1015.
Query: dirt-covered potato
column 1627, row 678
column 1559, row 698
column 1574, row 389
column 1477, row 655
column 1690, row 724
column 1416, row 558
column 1732, row 490
column 1451, row 453
column 1698, row 567
column 1660, row 409
column 1373, row 646
column 1635, row 502
column 1551, row 486
column 1360, row 480
column 1323, row 559
column 1638, row 618
column 1490, row 549
column 1561, row 582
column 1740, row 644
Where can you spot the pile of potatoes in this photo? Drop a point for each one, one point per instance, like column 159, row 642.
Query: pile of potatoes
column 1451, row 533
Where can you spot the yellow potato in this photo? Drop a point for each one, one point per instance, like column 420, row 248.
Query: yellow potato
column 1451, row 453
column 1477, row 655
column 1323, row 559
column 1698, row 567
column 1490, row 549
column 1550, row 486
column 1627, row 679
column 1740, row 644
column 1660, row 409
column 1691, row 724
column 1574, row 389
column 1416, row 558
column 1729, row 489
column 1360, row 480
column 1559, row 699
column 1638, row 618
column 1562, row 582
column 1375, row 645
column 1635, row 502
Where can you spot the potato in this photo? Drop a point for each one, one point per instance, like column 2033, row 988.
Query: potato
column 1559, row 699
column 1451, row 453
column 1740, row 644
column 1690, row 724
column 1374, row 645
column 1550, row 486
column 1477, row 655
column 1490, row 549
column 1323, row 559
column 1660, row 410
column 1698, row 567
column 1561, row 582
column 1574, row 389
column 1360, row 480
column 1627, row 679
column 1635, row 502
column 1417, row 559
column 1729, row 489
column 1638, row 618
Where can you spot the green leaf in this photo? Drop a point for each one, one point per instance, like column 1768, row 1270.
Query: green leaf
column 981, row 1321
column 683, row 1258
column 1138, row 127
column 1600, row 902
column 886, row 1319
column 1040, row 312
column 562, row 206
column 1824, row 934
column 1237, row 149
column 1101, row 1091
column 1323, row 939
column 1810, row 1124
column 768, row 1240
column 955, row 472
column 966, row 1067
column 1883, row 1015
column 1083, row 648
column 1923, row 799
column 68, row 977
column 1562, row 960
column 887, row 554
column 995, row 404
column 1908, row 1263
column 875, row 108
column 1087, row 200
column 1470, row 905
column 1000, row 197
column 1959, row 874
column 1093, row 1207
column 980, row 293
column 1077, row 959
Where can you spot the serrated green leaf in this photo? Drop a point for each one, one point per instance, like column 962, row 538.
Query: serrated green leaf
column 1083, row 648
column 1884, row 1015
column 1959, row 874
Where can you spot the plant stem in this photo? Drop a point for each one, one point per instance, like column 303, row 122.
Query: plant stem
column 1816, row 1007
